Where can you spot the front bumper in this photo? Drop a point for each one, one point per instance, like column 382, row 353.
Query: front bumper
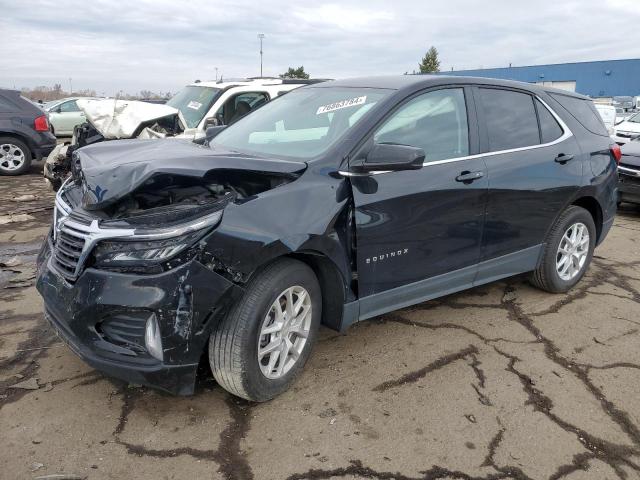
column 101, row 317
column 622, row 138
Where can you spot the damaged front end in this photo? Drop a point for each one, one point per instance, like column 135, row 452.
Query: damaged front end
column 128, row 273
column 109, row 119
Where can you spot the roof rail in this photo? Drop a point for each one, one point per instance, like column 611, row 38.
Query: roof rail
column 304, row 81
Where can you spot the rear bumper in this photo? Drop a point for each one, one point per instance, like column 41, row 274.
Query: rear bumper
column 42, row 145
column 102, row 318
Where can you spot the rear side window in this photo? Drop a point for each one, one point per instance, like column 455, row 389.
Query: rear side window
column 68, row 107
column 584, row 111
column 550, row 129
column 510, row 118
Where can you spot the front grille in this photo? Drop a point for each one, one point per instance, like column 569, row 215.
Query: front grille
column 67, row 251
column 627, row 134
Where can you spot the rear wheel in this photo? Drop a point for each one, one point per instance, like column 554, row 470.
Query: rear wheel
column 15, row 156
column 258, row 350
column 567, row 252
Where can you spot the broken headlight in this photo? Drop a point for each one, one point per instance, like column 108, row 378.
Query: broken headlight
column 151, row 247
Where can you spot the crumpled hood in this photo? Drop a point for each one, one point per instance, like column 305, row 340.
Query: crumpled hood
column 111, row 170
column 116, row 119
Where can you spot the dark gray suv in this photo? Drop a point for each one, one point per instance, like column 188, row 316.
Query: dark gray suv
column 25, row 134
column 329, row 205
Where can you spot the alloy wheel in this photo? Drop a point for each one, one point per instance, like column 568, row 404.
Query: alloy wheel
column 284, row 332
column 11, row 157
column 572, row 251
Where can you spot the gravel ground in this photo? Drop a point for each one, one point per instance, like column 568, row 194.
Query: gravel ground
column 502, row 381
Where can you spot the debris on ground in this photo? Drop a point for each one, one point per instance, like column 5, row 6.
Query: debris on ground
column 30, row 384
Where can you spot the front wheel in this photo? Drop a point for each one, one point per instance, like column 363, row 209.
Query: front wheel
column 259, row 348
column 567, row 252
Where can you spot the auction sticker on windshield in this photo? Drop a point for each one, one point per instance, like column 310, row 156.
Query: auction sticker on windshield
column 351, row 102
column 195, row 105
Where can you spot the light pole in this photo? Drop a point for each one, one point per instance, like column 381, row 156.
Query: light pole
column 216, row 74
column 70, row 87
column 261, row 36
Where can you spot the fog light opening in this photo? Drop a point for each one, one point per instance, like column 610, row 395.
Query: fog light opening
column 152, row 339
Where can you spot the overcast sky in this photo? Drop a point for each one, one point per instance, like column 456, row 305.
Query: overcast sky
column 162, row 44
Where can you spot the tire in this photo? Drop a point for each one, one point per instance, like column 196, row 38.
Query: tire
column 547, row 276
column 233, row 346
column 10, row 148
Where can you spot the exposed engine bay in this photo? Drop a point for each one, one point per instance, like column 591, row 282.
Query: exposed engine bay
column 166, row 199
column 112, row 120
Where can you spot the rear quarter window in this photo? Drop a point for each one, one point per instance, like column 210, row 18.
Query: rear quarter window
column 6, row 105
column 550, row 129
column 584, row 112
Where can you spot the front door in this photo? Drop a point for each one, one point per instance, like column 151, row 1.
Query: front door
column 419, row 231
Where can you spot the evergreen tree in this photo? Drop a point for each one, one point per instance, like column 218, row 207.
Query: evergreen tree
column 430, row 62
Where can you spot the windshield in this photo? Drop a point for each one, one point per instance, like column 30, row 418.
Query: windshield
column 194, row 102
column 303, row 123
column 634, row 119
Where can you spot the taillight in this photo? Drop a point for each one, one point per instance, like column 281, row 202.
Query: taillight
column 616, row 152
column 41, row 124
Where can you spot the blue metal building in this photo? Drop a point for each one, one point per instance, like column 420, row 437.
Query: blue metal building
column 605, row 78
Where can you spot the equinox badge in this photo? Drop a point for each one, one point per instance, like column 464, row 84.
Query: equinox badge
column 384, row 256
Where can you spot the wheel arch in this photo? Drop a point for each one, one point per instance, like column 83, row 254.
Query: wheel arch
column 591, row 205
column 334, row 287
column 18, row 136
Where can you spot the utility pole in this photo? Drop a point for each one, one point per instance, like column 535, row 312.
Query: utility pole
column 216, row 74
column 261, row 37
column 70, row 87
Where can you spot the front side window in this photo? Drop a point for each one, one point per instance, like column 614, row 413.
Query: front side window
column 240, row 105
column 435, row 122
column 304, row 123
column 510, row 119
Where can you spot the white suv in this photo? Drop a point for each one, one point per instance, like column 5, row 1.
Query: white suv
column 207, row 104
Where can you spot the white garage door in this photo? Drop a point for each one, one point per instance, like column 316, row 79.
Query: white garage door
column 569, row 86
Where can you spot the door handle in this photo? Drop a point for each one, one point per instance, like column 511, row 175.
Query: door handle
column 468, row 177
column 562, row 158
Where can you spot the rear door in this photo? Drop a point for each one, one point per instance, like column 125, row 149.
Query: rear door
column 534, row 169
column 418, row 232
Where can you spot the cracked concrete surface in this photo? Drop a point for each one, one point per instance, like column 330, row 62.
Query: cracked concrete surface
column 502, row 381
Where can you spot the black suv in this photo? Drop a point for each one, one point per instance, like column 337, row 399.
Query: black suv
column 332, row 204
column 24, row 133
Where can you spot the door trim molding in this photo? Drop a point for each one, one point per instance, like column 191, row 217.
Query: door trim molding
column 451, row 282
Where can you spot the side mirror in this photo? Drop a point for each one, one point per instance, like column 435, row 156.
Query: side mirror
column 389, row 156
column 211, row 122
